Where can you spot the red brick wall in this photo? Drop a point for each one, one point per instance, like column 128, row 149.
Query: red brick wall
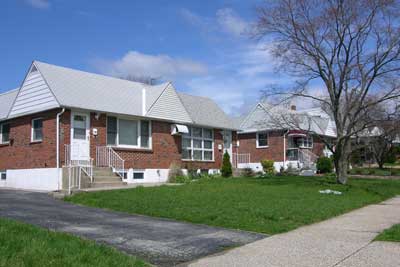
column 166, row 149
column 21, row 153
column 274, row 151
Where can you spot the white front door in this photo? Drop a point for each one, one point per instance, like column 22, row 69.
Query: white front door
column 227, row 137
column 80, row 136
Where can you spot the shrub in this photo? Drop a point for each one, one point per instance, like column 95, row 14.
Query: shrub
column 268, row 166
column 324, row 165
column 226, row 169
column 248, row 172
column 391, row 156
column 182, row 179
column 174, row 172
column 355, row 157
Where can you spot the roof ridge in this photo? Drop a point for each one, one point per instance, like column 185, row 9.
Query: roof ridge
column 94, row 74
column 9, row 91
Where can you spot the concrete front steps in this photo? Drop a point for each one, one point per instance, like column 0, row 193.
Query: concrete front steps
column 104, row 177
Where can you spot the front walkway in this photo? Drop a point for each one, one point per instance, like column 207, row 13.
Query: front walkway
column 342, row 241
column 158, row 241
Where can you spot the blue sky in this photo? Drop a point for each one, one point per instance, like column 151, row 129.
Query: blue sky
column 202, row 46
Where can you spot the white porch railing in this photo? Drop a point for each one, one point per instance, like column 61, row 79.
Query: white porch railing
column 75, row 167
column 237, row 159
column 107, row 157
column 307, row 157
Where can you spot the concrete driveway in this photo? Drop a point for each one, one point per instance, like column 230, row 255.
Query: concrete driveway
column 158, row 241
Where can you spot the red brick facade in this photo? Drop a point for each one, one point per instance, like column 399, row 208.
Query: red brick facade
column 21, row 153
column 275, row 149
column 166, row 149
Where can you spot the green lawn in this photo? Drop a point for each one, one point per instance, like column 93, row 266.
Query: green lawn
column 271, row 206
column 391, row 234
column 26, row 245
column 376, row 171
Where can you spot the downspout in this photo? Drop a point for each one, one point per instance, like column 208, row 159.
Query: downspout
column 58, row 146
column 284, row 149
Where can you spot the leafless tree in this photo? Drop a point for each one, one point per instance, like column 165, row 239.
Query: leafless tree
column 351, row 48
column 379, row 139
column 142, row 79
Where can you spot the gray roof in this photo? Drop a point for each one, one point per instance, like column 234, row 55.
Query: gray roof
column 78, row 89
column 6, row 101
column 204, row 111
column 269, row 117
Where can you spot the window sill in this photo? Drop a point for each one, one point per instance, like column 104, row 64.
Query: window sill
column 262, row 146
column 4, row 144
column 199, row 161
column 136, row 149
column 36, row 142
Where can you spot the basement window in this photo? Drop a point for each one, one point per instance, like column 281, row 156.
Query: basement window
column 138, row 175
column 3, row 175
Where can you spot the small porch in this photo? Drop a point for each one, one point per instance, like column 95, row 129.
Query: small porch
column 299, row 149
column 107, row 170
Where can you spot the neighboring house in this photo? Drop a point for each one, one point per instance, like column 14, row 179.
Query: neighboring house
column 284, row 135
column 60, row 117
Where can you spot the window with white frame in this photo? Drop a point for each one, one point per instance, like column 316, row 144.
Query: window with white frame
column 37, row 130
column 128, row 133
column 305, row 142
column 262, row 139
column 198, row 144
column 4, row 133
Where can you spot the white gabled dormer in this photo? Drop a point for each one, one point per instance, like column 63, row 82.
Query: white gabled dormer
column 34, row 95
column 169, row 106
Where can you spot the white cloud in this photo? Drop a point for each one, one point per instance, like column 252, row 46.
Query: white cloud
column 42, row 4
column 226, row 20
column 138, row 64
column 231, row 22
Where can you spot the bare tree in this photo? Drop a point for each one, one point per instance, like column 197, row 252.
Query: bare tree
column 142, row 79
column 379, row 139
column 351, row 48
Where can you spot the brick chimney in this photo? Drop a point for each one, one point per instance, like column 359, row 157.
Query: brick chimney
column 293, row 107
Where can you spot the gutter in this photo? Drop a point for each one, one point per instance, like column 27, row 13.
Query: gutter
column 58, row 145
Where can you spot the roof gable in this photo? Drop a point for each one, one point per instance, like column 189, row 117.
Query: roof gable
column 204, row 111
column 169, row 106
column 34, row 95
column 6, row 101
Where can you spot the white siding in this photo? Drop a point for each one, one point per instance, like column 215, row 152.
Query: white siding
column 169, row 106
column 33, row 96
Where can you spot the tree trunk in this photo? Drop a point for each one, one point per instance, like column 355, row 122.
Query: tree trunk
column 341, row 157
column 341, row 169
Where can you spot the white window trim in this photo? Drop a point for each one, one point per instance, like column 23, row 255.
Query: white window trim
column 202, row 139
column 138, row 171
column 312, row 142
column 1, row 134
column 257, row 140
column 36, row 140
column 138, row 146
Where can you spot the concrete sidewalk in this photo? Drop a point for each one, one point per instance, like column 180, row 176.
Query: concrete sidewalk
column 342, row 241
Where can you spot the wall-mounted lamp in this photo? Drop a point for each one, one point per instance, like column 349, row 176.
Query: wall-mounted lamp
column 97, row 116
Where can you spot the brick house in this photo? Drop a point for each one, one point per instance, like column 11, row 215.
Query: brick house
column 283, row 134
column 61, row 117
